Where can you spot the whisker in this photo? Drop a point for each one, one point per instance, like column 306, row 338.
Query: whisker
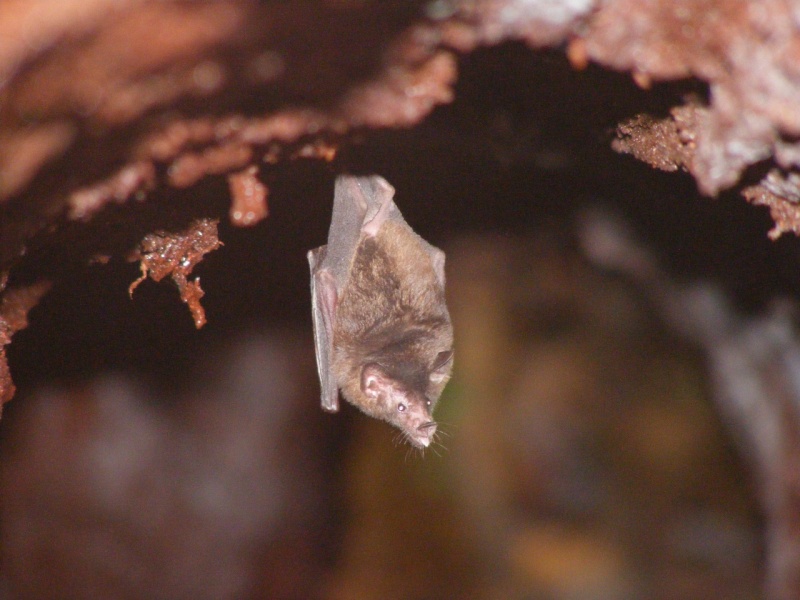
column 448, row 424
column 437, row 439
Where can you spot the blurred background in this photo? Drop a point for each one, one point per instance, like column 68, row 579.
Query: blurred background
column 583, row 454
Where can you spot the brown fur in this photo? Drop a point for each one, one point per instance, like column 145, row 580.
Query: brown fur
column 392, row 313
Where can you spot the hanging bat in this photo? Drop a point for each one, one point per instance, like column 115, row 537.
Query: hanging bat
column 381, row 327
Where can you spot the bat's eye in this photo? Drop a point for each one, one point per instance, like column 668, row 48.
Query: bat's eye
column 427, row 402
column 401, row 407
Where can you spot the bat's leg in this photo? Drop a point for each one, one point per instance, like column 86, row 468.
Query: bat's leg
column 381, row 205
column 323, row 311
column 372, row 226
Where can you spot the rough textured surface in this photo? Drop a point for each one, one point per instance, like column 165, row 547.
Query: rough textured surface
column 174, row 108
column 223, row 70
column 249, row 197
column 779, row 192
column 178, row 91
column 176, row 254
column 746, row 51
column 14, row 306
column 667, row 144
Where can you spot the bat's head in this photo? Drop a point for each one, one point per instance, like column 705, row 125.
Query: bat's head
column 407, row 401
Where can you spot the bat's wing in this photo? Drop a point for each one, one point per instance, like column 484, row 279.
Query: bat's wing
column 324, row 298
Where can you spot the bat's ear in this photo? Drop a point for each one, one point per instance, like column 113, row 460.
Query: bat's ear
column 376, row 186
column 441, row 366
column 374, row 381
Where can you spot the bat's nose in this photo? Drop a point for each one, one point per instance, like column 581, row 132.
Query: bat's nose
column 426, row 431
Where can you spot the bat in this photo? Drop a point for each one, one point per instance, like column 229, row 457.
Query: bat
column 382, row 332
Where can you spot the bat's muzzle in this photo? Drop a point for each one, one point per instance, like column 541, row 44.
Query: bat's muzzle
column 426, row 431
